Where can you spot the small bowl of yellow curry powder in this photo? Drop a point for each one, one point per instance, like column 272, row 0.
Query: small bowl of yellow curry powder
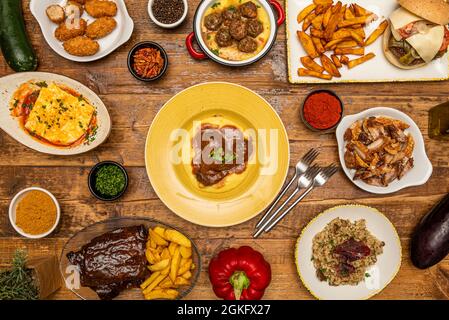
column 34, row 213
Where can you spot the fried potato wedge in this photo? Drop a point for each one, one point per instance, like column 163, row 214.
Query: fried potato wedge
column 307, row 43
column 329, row 66
column 310, row 73
column 356, row 62
column 377, row 33
column 305, row 12
column 354, row 51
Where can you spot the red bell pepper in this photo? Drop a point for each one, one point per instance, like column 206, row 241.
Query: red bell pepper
column 239, row 274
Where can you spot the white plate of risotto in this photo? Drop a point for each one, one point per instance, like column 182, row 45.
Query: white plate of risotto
column 349, row 252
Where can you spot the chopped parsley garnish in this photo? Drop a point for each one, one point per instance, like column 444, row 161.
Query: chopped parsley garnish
column 215, row 51
column 42, row 84
column 216, row 5
column 81, row 98
column 80, row 124
column 220, row 156
column 367, row 275
column 109, row 180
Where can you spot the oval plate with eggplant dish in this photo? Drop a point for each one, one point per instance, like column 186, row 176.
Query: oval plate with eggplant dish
column 382, row 151
column 349, row 252
column 52, row 114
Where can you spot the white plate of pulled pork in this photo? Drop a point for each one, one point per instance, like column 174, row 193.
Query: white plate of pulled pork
column 382, row 151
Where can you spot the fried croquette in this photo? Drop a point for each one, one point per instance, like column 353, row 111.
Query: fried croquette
column 80, row 1
column 73, row 9
column 55, row 13
column 81, row 46
column 71, row 28
column 101, row 8
column 101, row 27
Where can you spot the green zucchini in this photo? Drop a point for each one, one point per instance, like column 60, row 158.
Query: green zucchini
column 14, row 41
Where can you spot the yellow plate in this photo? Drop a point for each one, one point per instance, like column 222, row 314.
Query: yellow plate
column 168, row 154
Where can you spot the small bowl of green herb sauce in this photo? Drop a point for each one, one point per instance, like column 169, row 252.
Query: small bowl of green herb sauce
column 108, row 180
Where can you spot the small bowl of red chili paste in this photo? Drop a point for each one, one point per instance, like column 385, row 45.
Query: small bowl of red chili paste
column 322, row 111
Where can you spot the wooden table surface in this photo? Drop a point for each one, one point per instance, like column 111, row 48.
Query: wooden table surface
column 133, row 105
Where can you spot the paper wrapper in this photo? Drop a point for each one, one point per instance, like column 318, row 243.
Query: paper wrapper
column 46, row 274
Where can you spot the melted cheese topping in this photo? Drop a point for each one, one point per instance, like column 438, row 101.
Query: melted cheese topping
column 59, row 117
column 402, row 17
column 427, row 45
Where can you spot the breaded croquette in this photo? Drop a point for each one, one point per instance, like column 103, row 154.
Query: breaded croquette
column 55, row 13
column 73, row 9
column 100, row 8
column 80, row 1
column 81, row 46
column 70, row 28
column 101, row 27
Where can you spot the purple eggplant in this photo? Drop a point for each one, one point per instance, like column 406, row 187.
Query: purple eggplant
column 430, row 243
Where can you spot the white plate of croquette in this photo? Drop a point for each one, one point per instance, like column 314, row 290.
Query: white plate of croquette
column 83, row 30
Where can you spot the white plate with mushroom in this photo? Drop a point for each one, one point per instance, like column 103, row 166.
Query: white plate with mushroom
column 383, row 160
column 107, row 44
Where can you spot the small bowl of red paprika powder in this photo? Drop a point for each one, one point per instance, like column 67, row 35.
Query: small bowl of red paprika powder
column 322, row 111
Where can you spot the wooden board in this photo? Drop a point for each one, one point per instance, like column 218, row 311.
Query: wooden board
column 133, row 104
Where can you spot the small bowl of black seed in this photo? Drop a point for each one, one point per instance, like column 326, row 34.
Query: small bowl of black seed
column 168, row 13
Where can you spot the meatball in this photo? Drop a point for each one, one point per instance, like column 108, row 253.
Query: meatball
column 229, row 15
column 247, row 45
column 213, row 21
column 248, row 10
column 254, row 27
column 223, row 37
column 237, row 28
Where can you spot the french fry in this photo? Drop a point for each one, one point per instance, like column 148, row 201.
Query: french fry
column 154, row 283
column 187, row 275
column 317, row 33
column 308, row 21
column 360, row 40
column 185, row 266
column 336, row 61
column 166, row 284
column 332, row 43
column 344, row 59
column 162, row 294
column 337, row 7
column 333, row 22
column 356, row 62
column 307, row 43
column 166, row 270
column 177, row 237
column 349, row 14
column 356, row 20
column 180, row 281
column 160, row 231
column 165, row 254
column 157, row 238
column 360, row 11
column 174, row 266
column 318, row 45
column 171, row 248
column 322, row 8
column 150, row 257
column 311, row 65
column 323, row 2
column 160, row 265
column 347, row 44
column 153, row 244
column 318, row 21
column 376, row 33
column 193, row 266
column 310, row 73
column 150, row 279
column 354, row 51
column 329, row 66
column 327, row 16
column 186, row 252
column 305, row 12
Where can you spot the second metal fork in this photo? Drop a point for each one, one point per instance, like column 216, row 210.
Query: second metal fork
column 300, row 168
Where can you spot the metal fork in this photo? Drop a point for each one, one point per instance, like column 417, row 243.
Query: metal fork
column 300, row 168
column 304, row 181
column 320, row 179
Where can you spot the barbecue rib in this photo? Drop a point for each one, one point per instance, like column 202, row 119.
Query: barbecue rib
column 113, row 261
